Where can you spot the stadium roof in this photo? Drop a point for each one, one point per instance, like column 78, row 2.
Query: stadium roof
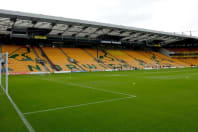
column 19, row 24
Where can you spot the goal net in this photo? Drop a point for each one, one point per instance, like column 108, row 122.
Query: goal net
column 4, row 72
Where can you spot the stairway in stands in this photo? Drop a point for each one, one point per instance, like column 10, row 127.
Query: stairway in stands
column 47, row 55
column 43, row 61
column 22, row 59
column 40, row 56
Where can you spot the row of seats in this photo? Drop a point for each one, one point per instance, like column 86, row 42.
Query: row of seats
column 126, row 58
column 59, row 59
column 107, row 60
column 186, row 58
column 189, row 61
column 23, row 59
column 85, row 61
column 151, row 58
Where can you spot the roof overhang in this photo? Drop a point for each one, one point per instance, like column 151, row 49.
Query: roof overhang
column 15, row 24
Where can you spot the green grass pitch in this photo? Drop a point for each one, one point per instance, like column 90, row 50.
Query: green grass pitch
column 166, row 101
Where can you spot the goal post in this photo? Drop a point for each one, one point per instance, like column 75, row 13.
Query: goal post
column 4, row 71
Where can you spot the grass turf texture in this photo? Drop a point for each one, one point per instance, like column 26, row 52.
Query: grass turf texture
column 166, row 101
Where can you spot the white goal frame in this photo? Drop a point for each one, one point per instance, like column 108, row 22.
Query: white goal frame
column 4, row 61
column 4, row 86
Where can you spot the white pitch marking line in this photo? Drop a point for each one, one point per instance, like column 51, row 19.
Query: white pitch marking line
column 83, row 86
column 25, row 121
column 172, row 71
column 75, row 106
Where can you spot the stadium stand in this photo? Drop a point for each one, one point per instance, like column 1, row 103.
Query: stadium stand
column 98, row 46
column 24, row 59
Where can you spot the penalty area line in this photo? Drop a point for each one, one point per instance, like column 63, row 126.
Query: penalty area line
column 88, row 87
column 76, row 106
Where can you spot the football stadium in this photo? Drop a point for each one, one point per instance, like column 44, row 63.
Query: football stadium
column 68, row 75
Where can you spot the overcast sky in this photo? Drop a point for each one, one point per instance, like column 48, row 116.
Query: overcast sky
column 163, row 15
